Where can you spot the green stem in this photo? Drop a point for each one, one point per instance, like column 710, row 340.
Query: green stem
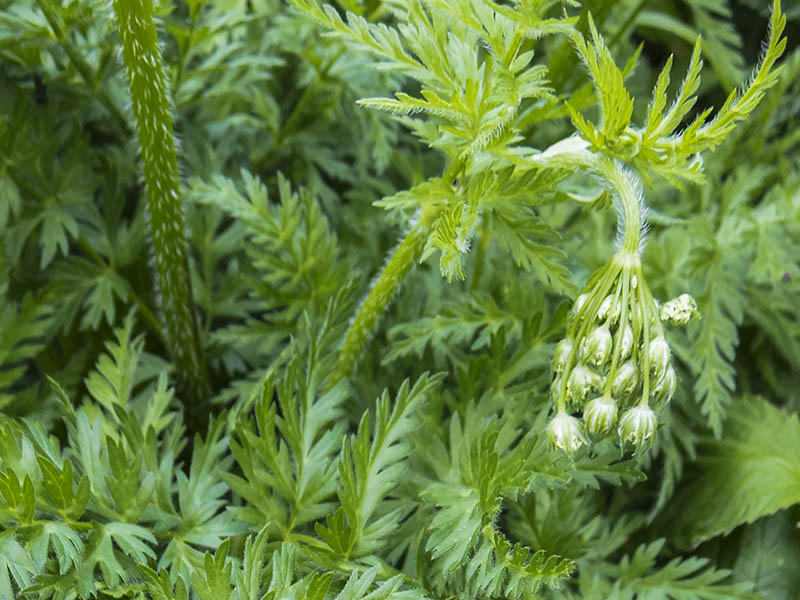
column 630, row 209
column 86, row 71
column 573, row 151
column 148, row 85
column 383, row 289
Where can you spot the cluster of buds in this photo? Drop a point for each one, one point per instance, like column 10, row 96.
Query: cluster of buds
column 613, row 371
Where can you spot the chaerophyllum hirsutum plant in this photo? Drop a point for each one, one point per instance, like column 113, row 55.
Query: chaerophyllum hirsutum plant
column 614, row 365
column 394, row 300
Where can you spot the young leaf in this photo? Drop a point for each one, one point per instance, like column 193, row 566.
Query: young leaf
column 616, row 103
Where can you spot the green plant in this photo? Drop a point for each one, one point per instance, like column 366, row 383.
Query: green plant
column 211, row 388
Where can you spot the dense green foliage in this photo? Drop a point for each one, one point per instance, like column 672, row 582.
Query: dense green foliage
column 395, row 299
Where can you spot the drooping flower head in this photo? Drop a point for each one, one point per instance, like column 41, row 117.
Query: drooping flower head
column 614, row 359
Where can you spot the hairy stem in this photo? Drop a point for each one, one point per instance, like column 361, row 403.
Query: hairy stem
column 574, row 151
column 153, row 112
column 629, row 207
column 405, row 256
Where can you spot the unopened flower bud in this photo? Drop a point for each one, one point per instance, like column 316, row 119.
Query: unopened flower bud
column 679, row 311
column 638, row 427
column 600, row 415
column 566, row 433
column 664, row 390
column 596, row 347
column 561, row 355
column 581, row 381
column 609, row 309
column 627, row 341
column 658, row 353
column 626, row 379
column 579, row 302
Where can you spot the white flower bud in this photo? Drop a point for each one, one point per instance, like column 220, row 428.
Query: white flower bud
column 638, row 427
column 579, row 302
column 565, row 433
column 679, row 311
column 626, row 379
column 581, row 381
column 609, row 309
column 561, row 355
column 658, row 354
column 600, row 415
column 627, row 342
column 664, row 390
column 596, row 347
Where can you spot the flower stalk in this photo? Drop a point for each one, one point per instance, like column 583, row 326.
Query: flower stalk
column 152, row 110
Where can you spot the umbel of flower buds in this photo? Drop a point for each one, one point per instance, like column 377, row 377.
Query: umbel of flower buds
column 613, row 369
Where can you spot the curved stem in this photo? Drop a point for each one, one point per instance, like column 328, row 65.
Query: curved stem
column 403, row 259
column 575, row 151
column 629, row 208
